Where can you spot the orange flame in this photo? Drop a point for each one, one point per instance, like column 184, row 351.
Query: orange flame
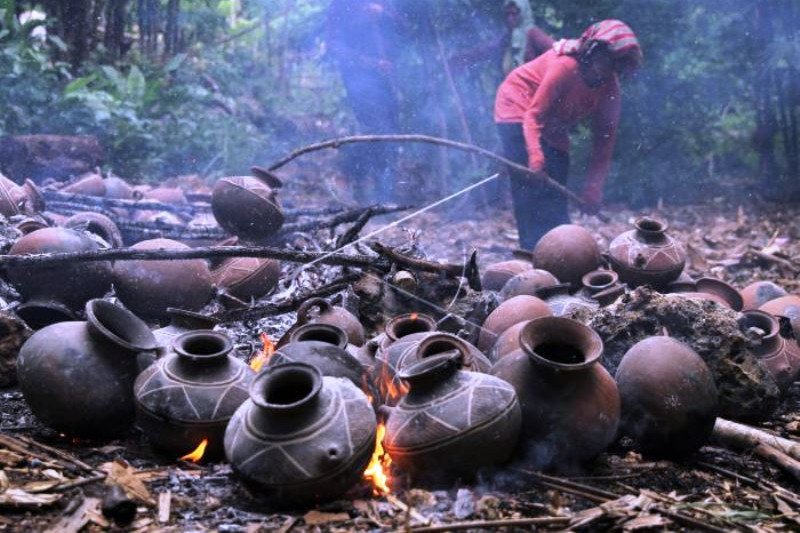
column 414, row 316
column 262, row 358
column 197, row 455
column 391, row 389
column 377, row 471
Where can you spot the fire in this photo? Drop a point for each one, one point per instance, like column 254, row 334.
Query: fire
column 197, row 455
column 377, row 471
column 262, row 357
column 390, row 389
column 414, row 316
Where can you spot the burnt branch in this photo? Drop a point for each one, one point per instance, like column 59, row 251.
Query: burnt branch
column 351, row 215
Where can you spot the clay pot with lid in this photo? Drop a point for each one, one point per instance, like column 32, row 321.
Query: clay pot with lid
column 647, row 255
column 496, row 275
column 78, row 377
column 51, row 293
column 333, row 315
column 669, row 398
column 97, row 224
column 570, row 403
column 562, row 303
column 568, row 252
column 148, row 288
column 242, row 279
column 247, row 206
column 512, row 311
column 788, row 306
column 527, row 283
column 452, row 422
column 301, row 437
column 191, row 393
column 760, row 292
column 89, row 185
column 778, row 355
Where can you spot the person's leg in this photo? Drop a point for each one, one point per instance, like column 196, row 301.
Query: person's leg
column 523, row 188
column 552, row 204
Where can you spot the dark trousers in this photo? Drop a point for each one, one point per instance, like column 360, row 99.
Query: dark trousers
column 537, row 208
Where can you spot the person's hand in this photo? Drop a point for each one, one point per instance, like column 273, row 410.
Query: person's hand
column 592, row 197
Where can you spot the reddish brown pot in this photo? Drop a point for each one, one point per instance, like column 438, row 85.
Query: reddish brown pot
column 246, row 278
column 334, row 315
column 167, row 195
column 603, row 286
column 568, row 252
column 301, row 437
column 760, row 292
column 788, row 306
column 688, row 289
column 506, row 343
column 29, row 225
column 70, row 285
column 90, row 185
column 647, row 255
column 148, row 288
column 512, row 311
column 401, row 326
column 15, row 200
column 570, row 403
column 497, row 274
column 724, row 290
column 118, row 188
column 669, row 399
column 527, row 283
column 452, row 422
column 191, row 393
column 98, row 224
column 780, row 356
column 247, row 207
column 562, row 303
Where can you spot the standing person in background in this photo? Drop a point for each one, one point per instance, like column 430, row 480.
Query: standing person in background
column 362, row 39
column 540, row 102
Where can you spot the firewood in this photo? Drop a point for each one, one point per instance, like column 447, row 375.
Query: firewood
column 78, row 519
column 164, row 504
column 784, row 462
column 492, row 524
column 744, row 436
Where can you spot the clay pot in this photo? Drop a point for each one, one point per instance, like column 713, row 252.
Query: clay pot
column 669, row 399
column 167, row 195
column 246, row 278
column 602, row 286
column 181, row 321
column 527, row 283
column 570, row 403
column 562, row 303
column 67, row 286
column 647, row 255
column 77, row 377
column 148, row 288
column 452, row 422
column 788, row 306
column 191, row 394
column 247, row 207
column 780, row 356
column 8, row 205
column 760, row 292
column 119, row 189
column 89, row 185
column 15, row 199
column 334, row 315
column 688, row 289
column 507, row 342
column 29, row 225
column 725, row 291
column 301, row 437
column 568, row 252
column 98, row 224
column 411, row 349
column 38, row 313
column 512, row 311
column 497, row 274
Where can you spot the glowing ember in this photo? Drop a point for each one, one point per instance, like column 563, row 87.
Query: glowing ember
column 262, row 357
column 414, row 316
column 197, row 455
column 377, row 471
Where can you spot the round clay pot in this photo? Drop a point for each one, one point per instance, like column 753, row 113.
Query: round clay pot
column 398, row 327
column 77, row 377
column 512, row 311
column 71, row 284
column 568, row 252
column 191, row 393
column 301, row 437
column 413, row 348
column 247, row 207
column 452, row 422
column 760, row 292
column 724, row 290
column 247, row 278
column 507, row 342
column 8, row 203
column 118, row 188
column 562, row 303
column 41, row 313
column 788, row 306
column 27, row 198
column 497, row 274
column 98, row 224
column 148, row 288
column 688, row 289
column 89, row 185
column 570, row 403
column 647, row 255
column 669, row 399
column 167, row 195
column 780, row 356
column 334, row 315
column 527, row 283
column 181, row 321
column 603, row 286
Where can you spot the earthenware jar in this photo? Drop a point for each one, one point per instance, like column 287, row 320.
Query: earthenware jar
column 334, row 315
column 181, row 321
column 30, row 224
column 669, row 399
column 167, row 195
column 647, row 255
column 401, row 326
column 452, row 422
column 90, row 185
column 243, row 279
column 562, row 303
column 570, row 403
column 20, row 199
column 568, row 252
column 247, row 206
column 97, row 224
column 724, row 290
column 497, row 274
column 527, row 283
column 191, row 394
column 119, row 189
column 779, row 355
column 760, row 292
column 788, row 306
column 512, row 311
column 77, row 377
column 148, row 288
column 301, row 437
column 602, row 286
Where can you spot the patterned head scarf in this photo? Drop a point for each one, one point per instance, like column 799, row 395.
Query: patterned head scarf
column 618, row 36
column 515, row 54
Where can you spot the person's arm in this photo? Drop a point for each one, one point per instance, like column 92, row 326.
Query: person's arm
column 537, row 42
column 604, row 136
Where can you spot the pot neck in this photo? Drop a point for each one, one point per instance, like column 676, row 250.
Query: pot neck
column 287, row 392
column 203, row 348
column 558, row 344
column 771, row 339
column 119, row 326
column 432, row 372
column 651, row 230
column 327, row 333
column 407, row 324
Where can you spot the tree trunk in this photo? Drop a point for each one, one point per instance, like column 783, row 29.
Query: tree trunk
column 116, row 19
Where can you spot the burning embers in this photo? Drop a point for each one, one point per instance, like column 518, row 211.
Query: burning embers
column 262, row 358
column 196, row 455
column 377, row 471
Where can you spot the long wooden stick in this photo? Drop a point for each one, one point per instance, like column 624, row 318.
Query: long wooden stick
column 491, row 524
column 742, row 435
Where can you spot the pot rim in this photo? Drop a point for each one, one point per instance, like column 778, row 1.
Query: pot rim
column 724, row 290
column 144, row 339
column 275, row 372
column 34, row 305
column 395, row 321
column 650, row 225
column 226, row 345
column 432, row 368
column 339, row 333
column 577, row 336
column 587, row 279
